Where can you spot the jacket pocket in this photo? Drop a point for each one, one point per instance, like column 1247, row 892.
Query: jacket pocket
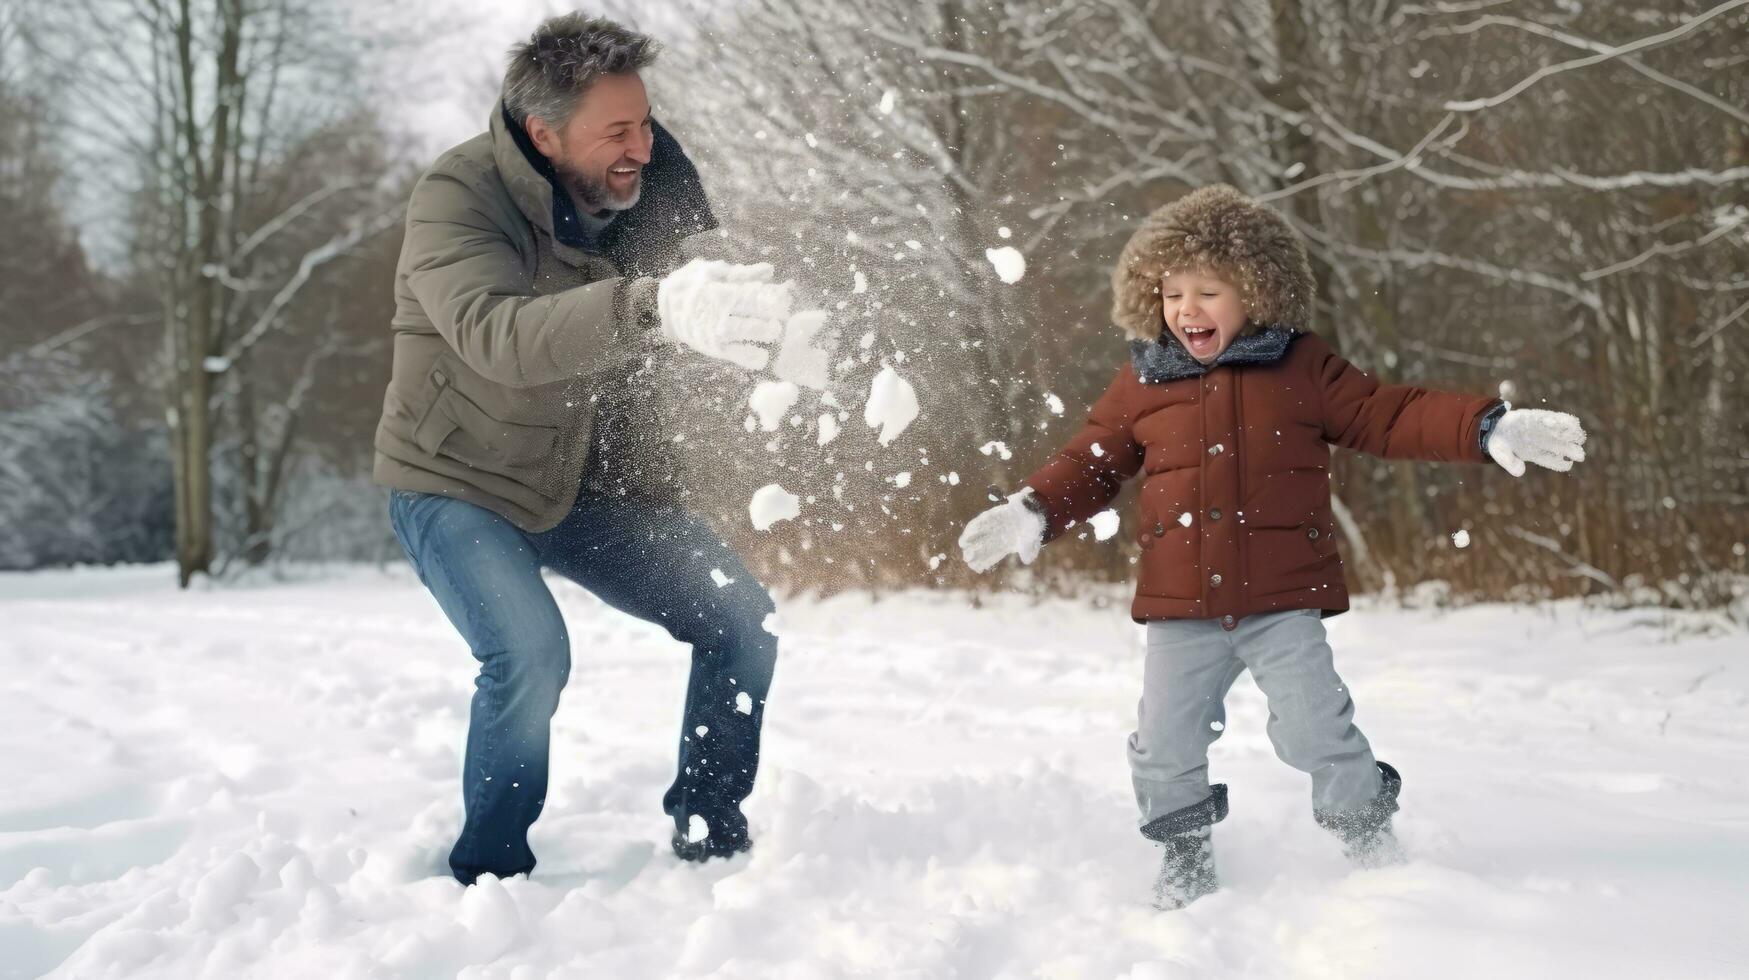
column 455, row 426
column 1289, row 553
column 1169, row 564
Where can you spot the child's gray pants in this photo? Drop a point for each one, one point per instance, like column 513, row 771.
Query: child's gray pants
column 1191, row 664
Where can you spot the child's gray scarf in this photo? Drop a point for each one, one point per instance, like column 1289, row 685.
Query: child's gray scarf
column 1163, row 360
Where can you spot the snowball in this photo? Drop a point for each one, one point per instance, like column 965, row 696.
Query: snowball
column 1104, row 524
column 1009, row 263
column 902, row 480
column 799, row 358
column 1098, row 450
column 859, row 284
column 1461, row 538
column 770, row 400
column 1053, row 403
column 722, row 580
column 744, row 702
column 828, row 428
column 1184, row 519
column 892, row 405
column 887, row 102
column 772, row 503
column 1003, row 232
column 697, row 829
column 999, row 448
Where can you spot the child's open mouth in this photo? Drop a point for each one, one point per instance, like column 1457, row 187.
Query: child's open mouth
column 1201, row 341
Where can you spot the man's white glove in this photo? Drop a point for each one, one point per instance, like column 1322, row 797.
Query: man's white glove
column 723, row 310
column 1010, row 528
column 803, row 358
column 1552, row 439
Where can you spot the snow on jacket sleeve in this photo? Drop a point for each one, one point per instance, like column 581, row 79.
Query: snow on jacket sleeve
column 1394, row 421
column 473, row 285
column 1084, row 476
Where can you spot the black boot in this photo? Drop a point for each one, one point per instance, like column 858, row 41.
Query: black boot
column 727, row 837
column 1187, row 868
column 1365, row 832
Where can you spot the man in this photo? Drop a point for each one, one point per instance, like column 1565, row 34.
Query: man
column 518, row 434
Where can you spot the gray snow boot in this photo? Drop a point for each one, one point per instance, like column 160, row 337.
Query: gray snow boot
column 1187, row 868
column 1365, row 832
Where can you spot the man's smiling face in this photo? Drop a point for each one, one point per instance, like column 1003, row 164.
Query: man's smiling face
column 600, row 152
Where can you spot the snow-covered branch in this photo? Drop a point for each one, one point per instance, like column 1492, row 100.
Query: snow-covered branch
column 1415, row 258
column 298, row 209
column 1576, row 565
column 1605, row 54
column 1434, row 140
column 322, row 254
column 1728, row 224
column 1586, row 44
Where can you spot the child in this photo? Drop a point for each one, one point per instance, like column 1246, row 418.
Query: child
column 1227, row 406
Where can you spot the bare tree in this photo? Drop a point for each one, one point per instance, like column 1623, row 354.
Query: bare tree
column 76, row 480
column 207, row 105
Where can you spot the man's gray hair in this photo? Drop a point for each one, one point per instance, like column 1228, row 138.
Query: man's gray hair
column 549, row 73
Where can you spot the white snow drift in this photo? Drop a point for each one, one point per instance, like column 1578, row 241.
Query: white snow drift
column 261, row 781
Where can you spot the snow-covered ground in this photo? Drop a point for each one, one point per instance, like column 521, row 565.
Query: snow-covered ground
column 261, row 780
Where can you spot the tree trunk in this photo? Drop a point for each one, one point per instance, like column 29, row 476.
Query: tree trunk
column 191, row 438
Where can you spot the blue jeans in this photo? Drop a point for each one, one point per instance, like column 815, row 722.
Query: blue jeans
column 648, row 560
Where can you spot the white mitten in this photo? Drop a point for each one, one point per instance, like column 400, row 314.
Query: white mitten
column 1552, row 439
column 803, row 357
column 1010, row 528
column 723, row 310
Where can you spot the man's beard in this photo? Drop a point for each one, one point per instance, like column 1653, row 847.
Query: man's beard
column 593, row 194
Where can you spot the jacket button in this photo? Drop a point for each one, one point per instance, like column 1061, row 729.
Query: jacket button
column 1215, row 580
column 1159, row 530
column 1311, row 534
column 1215, row 514
column 1227, row 622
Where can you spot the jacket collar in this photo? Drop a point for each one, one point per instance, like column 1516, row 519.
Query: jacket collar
column 528, row 176
column 1163, row 360
column 641, row 240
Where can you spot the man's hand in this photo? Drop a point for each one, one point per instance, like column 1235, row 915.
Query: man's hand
column 723, row 310
column 1552, row 439
column 1010, row 528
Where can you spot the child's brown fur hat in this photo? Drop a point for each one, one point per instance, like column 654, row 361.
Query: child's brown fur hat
column 1222, row 232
